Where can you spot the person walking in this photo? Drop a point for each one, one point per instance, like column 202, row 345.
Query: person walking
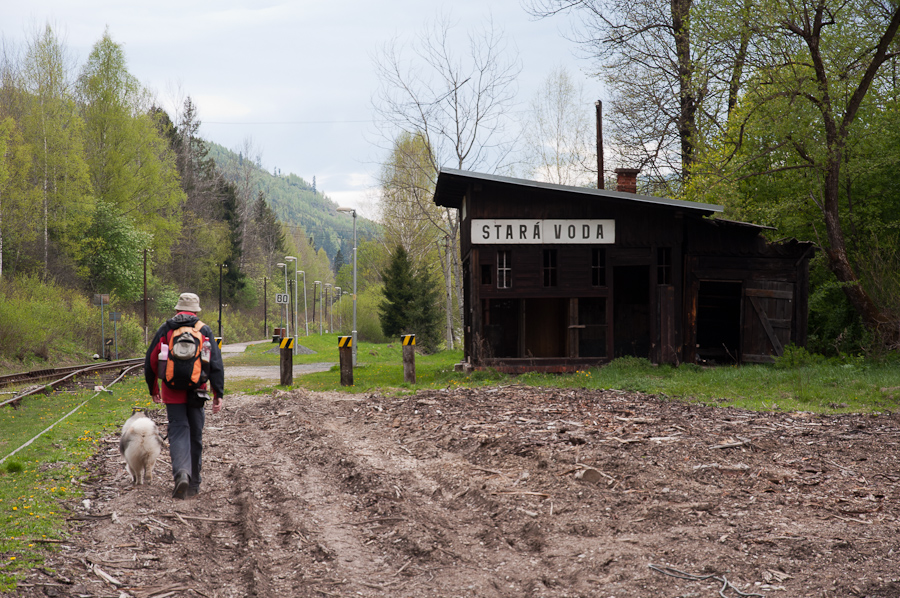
column 185, row 408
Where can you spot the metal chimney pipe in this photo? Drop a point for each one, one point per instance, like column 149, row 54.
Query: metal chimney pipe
column 599, row 106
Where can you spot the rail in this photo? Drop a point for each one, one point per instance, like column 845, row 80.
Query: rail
column 125, row 371
column 60, row 376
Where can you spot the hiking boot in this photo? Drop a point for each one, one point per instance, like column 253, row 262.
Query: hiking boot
column 182, row 483
column 192, row 491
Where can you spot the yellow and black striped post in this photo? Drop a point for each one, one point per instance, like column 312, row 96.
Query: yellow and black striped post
column 287, row 361
column 345, row 350
column 409, row 358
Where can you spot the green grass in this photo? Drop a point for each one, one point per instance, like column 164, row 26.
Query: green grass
column 379, row 366
column 823, row 388
column 37, row 481
column 798, row 382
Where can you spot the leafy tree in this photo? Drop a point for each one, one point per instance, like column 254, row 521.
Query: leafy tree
column 818, row 103
column 114, row 253
column 409, row 216
column 674, row 69
column 410, row 303
column 17, row 198
column 52, row 127
column 131, row 165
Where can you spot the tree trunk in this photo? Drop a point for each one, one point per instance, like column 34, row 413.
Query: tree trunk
column 873, row 317
column 876, row 319
column 688, row 102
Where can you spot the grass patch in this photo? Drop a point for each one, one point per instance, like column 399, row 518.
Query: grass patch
column 797, row 382
column 37, row 481
column 379, row 366
column 821, row 387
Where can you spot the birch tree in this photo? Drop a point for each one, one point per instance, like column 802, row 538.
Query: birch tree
column 53, row 128
column 559, row 136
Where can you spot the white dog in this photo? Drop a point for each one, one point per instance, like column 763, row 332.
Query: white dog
column 140, row 444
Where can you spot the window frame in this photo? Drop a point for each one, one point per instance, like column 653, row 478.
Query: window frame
column 504, row 269
column 550, row 268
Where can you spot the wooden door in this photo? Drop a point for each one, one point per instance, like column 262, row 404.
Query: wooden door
column 768, row 309
column 667, row 351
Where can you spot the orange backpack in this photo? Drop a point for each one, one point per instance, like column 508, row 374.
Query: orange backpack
column 186, row 369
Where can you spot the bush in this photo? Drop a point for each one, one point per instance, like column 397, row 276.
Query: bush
column 42, row 322
column 796, row 357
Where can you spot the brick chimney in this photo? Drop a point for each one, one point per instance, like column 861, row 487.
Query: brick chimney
column 626, row 179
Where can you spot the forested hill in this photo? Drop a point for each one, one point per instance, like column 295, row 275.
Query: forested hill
column 296, row 202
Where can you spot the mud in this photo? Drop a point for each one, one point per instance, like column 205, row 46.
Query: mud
column 498, row 492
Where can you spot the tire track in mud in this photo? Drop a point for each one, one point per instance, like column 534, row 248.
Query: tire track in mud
column 445, row 528
column 364, row 514
column 466, row 492
column 299, row 513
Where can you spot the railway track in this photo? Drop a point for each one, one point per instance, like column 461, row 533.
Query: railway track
column 66, row 377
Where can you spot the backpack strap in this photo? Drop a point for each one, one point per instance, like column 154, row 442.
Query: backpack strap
column 199, row 325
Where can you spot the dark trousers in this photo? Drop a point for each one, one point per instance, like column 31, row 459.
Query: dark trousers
column 186, row 439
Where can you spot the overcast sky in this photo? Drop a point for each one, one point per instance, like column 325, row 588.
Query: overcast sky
column 293, row 77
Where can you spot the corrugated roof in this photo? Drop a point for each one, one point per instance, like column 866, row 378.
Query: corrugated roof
column 452, row 185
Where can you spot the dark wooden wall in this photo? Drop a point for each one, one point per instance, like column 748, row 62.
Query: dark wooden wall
column 773, row 279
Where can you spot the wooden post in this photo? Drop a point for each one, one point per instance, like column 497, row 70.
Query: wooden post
column 287, row 361
column 345, row 350
column 409, row 358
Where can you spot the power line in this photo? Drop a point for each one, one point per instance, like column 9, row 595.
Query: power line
column 287, row 122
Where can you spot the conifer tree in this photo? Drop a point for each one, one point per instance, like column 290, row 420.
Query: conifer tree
column 410, row 303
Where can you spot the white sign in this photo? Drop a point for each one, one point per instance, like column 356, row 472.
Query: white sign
column 283, row 298
column 547, row 232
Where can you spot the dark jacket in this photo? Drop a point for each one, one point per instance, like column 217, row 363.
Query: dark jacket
column 151, row 360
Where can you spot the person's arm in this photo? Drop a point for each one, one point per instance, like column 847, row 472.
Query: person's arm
column 151, row 364
column 216, row 371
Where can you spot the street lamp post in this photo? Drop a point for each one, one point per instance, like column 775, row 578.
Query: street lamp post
column 220, row 299
column 285, row 319
column 305, row 315
column 290, row 258
column 340, row 321
column 353, row 333
column 316, row 284
column 330, row 310
column 145, row 296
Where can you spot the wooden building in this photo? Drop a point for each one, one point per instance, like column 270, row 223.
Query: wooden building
column 559, row 278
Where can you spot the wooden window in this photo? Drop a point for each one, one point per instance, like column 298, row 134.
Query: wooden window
column 598, row 267
column 486, row 274
column 664, row 265
column 504, row 269
column 550, row 268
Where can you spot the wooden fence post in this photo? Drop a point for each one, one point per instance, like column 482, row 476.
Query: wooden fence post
column 409, row 358
column 345, row 350
column 287, row 361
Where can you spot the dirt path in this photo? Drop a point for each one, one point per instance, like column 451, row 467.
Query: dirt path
column 476, row 493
